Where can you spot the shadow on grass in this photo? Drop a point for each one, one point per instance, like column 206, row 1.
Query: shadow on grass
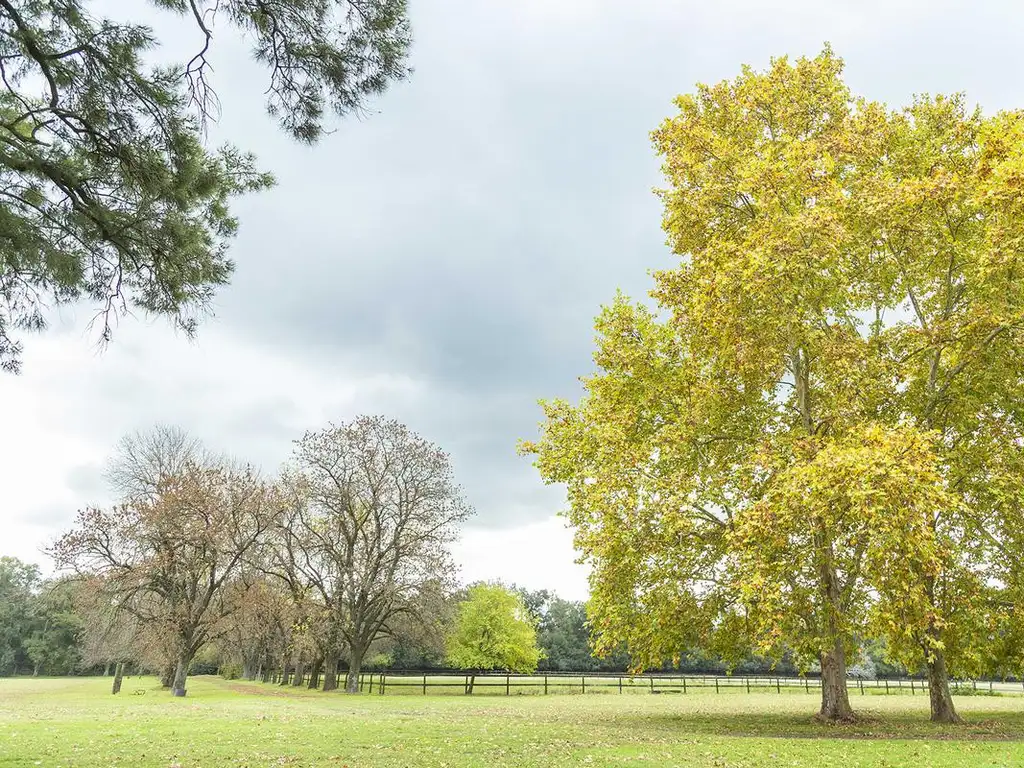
column 979, row 725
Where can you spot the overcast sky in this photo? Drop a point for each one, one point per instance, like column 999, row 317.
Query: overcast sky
column 441, row 261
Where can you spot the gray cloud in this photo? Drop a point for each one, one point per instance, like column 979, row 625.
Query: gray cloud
column 464, row 236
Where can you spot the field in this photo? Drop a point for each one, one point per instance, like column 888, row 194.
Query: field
column 76, row 722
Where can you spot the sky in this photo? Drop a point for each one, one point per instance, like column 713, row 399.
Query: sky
column 441, row 260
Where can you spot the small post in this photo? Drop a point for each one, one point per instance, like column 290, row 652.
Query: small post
column 716, row 685
column 424, row 685
column 620, row 683
column 684, row 685
column 990, row 686
column 911, row 686
column 508, row 685
column 651, row 678
column 382, row 684
column 778, row 685
column 583, row 681
column 545, row 685
column 886, row 687
column 748, row 685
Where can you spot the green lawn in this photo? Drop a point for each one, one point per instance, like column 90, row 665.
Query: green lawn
column 76, row 722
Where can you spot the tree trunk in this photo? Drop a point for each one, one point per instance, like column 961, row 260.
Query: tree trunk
column 35, row 669
column 167, row 676
column 106, row 670
column 118, row 674
column 180, row 674
column 472, row 679
column 331, row 674
column 314, row 674
column 300, row 674
column 286, row 673
column 835, row 698
column 939, row 696
column 352, row 679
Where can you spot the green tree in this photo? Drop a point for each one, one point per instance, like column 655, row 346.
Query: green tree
column 54, row 645
column 846, row 310
column 19, row 585
column 493, row 630
column 108, row 190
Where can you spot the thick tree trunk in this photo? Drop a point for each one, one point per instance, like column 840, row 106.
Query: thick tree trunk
column 939, row 696
column 248, row 670
column 180, row 674
column 314, row 674
column 286, row 673
column 118, row 674
column 835, row 698
column 299, row 676
column 167, row 676
column 352, row 678
column 331, row 674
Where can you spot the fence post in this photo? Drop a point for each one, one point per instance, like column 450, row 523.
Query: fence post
column 584, row 682
column 748, row 685
column 620, row 684
column 716, row 685
column 652, row 683
column 778, row 685
column 424, row 685
column 545, row 685
column 990, row 686
column 465, row 686
column 508, row 685
column 684, row 685
column 382, row 683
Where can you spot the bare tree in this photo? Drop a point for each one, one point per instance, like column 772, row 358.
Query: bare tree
column 165, row 560
column 374, row 511
column 143, row 459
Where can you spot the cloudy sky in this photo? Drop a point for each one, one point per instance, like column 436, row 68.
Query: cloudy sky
column 441, row 261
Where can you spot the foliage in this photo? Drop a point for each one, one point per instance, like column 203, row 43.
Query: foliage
column 494, row 630
column 166, row 562
column 19, row 584
column 109, row 192
column 846, row 310
column 365, row 545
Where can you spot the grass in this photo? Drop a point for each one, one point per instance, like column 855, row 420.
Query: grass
column 76, row 722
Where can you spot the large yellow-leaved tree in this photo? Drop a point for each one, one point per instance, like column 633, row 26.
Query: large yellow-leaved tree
column 815, row 435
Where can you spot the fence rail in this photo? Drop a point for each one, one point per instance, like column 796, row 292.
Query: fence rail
column 389, row 683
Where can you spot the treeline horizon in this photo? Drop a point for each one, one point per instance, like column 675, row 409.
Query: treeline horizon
column 52, row 640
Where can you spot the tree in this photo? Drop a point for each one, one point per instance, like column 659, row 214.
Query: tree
column 375, row 508
column 145, row 459
column 166, row 561
column 19, row 585
column 53, row 644
column 109, row 192
column 846, row 297
column 493, row 630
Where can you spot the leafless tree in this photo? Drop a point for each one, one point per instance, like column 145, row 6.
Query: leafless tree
column 374, row 509
column 144, row 458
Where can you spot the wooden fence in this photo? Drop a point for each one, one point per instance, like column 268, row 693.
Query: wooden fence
column 387, row 683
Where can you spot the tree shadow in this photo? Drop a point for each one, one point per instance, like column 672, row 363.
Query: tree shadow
column 979, row 725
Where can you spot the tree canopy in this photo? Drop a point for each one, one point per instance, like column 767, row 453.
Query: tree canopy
column 494, row 630
column 815, row 434
column 108, row 191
